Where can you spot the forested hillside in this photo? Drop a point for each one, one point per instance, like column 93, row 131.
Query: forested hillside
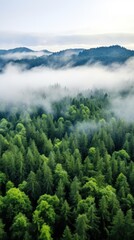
column 69, row 58
column 67, row 174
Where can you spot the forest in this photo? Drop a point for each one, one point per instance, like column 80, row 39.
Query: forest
column 67, row 174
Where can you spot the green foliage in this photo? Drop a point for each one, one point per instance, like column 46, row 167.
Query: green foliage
column 16, row 201
column 68, row 174
column 82, row 226
column 2, row 230
column 117, row 231
column 67, row 234
column 20, row 227
column 45, row 233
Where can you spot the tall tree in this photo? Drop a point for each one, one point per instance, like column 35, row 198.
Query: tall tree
column 117, row 230
column 20, row 229
column 82, row 226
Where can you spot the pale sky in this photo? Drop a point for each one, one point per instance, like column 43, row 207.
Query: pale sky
column 58, row 24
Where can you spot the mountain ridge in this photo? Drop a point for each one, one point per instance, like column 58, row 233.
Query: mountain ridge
column 72, row 57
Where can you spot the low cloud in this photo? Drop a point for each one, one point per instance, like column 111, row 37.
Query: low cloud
column 123, row 107
column 43, row 86
column 23, row 55
column 86, row 126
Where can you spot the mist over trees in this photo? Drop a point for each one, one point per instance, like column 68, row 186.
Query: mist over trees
column 67, row 174
column 68, row 58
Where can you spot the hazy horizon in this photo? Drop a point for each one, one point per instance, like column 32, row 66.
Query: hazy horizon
column 39, row 49
column 57, row 25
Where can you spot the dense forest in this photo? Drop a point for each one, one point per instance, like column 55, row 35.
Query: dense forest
column 67, row 174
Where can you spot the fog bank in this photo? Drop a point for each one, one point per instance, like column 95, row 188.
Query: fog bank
column 21, row 86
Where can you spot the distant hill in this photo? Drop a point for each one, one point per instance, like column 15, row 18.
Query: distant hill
column 20, row 50
column 66, row 58
column 16, row 50
column 46, row 52
column 104, row 55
